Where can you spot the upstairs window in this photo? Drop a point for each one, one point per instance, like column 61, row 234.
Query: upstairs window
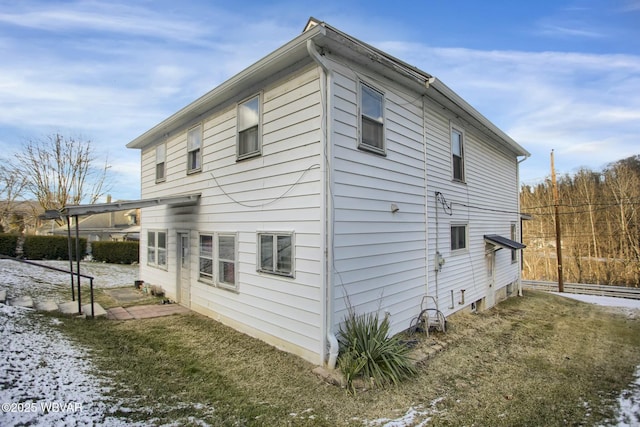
column 458, row 237
column 161, row 156
column 194, row 152
column 249, row 128
column 371, row 119
column 457, row 151
column 275, row 253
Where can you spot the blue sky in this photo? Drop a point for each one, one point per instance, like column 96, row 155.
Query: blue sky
column 561, row 74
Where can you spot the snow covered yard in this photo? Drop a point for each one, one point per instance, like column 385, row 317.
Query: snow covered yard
column 46, row 379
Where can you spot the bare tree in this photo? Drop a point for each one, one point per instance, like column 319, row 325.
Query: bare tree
column 61, row 171
column 12, row 186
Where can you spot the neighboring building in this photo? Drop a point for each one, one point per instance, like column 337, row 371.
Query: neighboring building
column 106, row 226
column 330, row 175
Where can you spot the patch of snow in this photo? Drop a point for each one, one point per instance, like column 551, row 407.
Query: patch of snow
column 603, row 301
column 24, row 279
column 418, row 416
column 47, row 380
column 629, row 402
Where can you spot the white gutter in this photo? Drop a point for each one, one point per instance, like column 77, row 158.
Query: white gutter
column 332, row 341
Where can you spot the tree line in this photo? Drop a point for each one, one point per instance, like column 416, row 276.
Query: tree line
column 599, row 221
column 54, row 171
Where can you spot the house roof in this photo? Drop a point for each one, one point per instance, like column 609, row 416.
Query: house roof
column 328, row 39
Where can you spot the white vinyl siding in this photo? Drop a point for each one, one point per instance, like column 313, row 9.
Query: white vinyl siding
column 379, row 255
column 487, row 203
column 282, row 191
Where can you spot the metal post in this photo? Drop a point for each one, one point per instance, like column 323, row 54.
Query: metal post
column 73, row 294
column 93, row 314
column 78, row 262
column 556, row 205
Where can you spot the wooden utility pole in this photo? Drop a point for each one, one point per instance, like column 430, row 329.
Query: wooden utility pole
column 556, row 205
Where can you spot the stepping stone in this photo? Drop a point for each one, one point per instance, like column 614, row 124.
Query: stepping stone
column 46, row 305
column 3, row 295
column 97, row 310
column 23, row 301
column 119, row 313
column 70, row 307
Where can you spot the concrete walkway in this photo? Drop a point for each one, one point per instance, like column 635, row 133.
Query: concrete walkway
column 145, row 311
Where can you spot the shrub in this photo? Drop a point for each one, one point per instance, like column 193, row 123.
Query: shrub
column 116, row 252
column 51, row 247
column 8, row 244
column 367, row 351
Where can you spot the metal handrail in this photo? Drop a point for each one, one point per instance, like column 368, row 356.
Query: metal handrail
column 61, row 270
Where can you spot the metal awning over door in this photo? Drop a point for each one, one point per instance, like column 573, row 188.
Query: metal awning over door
column 503, row 242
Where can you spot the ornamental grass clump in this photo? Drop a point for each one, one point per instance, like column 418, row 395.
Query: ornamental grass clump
column 368, row 352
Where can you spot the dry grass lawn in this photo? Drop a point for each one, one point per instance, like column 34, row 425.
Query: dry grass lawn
column 536, row 360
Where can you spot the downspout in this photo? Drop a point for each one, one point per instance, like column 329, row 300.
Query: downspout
column 520, row 222
column 328, row 306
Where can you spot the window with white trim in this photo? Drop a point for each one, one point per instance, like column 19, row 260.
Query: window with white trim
column 157, row 248
column 371, row 119
column 458, row 237
column 275, row 253
column 161, row 157
column 194, row 149
column 249, row 128
column 205, row 258
column 457, row 153
column 227, row 260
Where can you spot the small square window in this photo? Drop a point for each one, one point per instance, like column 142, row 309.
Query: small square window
column 275, row 253
column 457, row 152
column 458, row 237
column 371, row 119
column 161, row 156
column 194, row 145
column 249, row 128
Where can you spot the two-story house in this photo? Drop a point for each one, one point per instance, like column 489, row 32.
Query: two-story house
column 330, row 175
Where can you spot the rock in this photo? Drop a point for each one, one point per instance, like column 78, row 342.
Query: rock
column 46, row 305
column 3, row 295
column 97, row 310
column 70, row 307
column 23, row 301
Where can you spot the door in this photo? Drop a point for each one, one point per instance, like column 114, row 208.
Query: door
column 490, row 259
column 184, row 271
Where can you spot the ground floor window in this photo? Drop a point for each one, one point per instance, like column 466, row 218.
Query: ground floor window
column 458, row 237
column 227, row 259
column 206, row 257
column 157, row 248
column 275, row 253
column 217, row 259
